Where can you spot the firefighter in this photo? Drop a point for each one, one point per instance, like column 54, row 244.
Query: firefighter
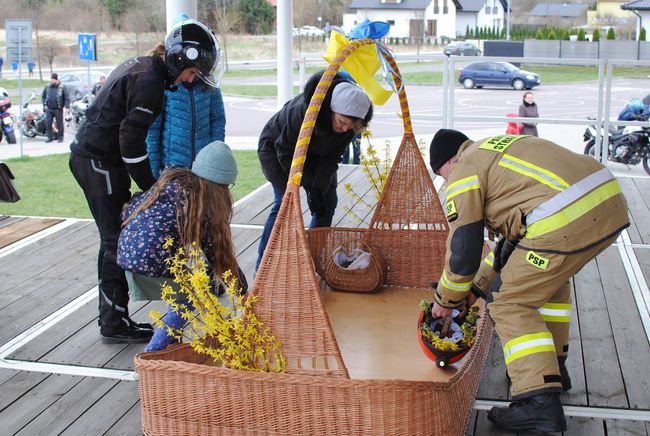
column 555, row 211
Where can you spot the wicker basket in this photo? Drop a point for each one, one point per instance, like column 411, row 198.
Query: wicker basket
column 182, row 394
column 369, row 279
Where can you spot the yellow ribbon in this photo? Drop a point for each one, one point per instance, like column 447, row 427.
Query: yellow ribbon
column 296, row 179
column 362, row 65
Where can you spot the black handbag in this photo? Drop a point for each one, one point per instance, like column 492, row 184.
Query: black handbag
column 8, row 193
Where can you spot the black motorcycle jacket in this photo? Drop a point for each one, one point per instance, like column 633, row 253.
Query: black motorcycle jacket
column 116, row 124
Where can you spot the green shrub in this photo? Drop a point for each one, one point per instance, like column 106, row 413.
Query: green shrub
column 581, row 35
column 596, row 35
column 642, row 34
column 611, row 34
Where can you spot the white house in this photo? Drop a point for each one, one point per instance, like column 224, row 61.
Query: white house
column 430, row 18
column 641, row 9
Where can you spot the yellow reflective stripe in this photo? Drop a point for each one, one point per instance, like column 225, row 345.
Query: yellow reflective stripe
column 556, row 312
column 574, row 211
column 296, row 179
column 462, row 185
column 454, row 286
column 297, row 161
column 489, row 259
column 538, row 173
column 528, row 344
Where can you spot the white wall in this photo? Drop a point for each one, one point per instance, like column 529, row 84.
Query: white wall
column 491, row 19
column 464, row 19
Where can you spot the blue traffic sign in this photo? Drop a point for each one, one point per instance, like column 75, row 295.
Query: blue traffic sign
column 87, row 44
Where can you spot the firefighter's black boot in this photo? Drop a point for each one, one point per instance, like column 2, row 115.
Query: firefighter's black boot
column 116, row 327
column 565, row 379
column 541, row 413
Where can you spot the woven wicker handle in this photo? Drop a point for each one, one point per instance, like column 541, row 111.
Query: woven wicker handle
column 309, row 122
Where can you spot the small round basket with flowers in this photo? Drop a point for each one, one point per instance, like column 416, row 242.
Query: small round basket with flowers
column 447, row 340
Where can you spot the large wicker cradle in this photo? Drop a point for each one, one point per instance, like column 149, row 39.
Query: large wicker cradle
column 181, row 393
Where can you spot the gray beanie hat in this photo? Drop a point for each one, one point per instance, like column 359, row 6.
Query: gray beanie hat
column 216, row 163
column 349, row 99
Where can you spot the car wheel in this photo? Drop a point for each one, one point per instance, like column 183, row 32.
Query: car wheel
column 478, row 52
column 468, row 83
column 462, row 53
column 518, row 84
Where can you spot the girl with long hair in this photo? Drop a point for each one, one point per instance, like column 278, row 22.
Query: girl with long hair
column 190, row 206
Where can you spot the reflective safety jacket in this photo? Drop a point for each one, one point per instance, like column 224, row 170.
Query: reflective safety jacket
column 529, row 190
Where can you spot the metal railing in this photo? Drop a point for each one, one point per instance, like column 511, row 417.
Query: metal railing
column 449, row 84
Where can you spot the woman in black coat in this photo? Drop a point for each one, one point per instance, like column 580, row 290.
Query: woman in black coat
column 346, row 110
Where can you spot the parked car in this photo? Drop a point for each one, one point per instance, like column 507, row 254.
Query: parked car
column 310, row 31
column 480, row 74
column 460, row 48
column 76, row 83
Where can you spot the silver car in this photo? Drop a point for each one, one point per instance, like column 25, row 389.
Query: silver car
column 76, row 83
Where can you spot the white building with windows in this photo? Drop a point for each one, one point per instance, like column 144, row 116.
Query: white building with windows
column 428, row 18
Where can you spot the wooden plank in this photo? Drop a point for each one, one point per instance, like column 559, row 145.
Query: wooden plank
column 130, row 424
column 35, row 401
column 471, row 425
column 24, row 228
column 42, row 255
column 494, row 382
column 53, row 295
column 615, row 427
column 579, row 426
column 68, row 407
column 255, row 206
column 631, row 343
column 603, row 376
column 643, row 256
column 484, row 427
column 12, row 388
column 85, row 348
column 106, row 412
column 57, row 335
column 9, row 220
column 639, row 213
column 577, row 396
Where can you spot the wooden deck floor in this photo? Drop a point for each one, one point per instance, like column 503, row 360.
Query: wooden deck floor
column 57, row 378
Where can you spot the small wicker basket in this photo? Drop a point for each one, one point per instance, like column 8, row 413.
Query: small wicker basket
column 369, row 279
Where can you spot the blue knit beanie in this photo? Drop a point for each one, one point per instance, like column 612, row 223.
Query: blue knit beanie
column 216, row 163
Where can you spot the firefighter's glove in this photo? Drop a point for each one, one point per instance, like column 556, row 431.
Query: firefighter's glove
column 478, row 292
column 502, row 252
column 317, row 201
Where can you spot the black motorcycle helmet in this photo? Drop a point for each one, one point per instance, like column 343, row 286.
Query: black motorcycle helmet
column 191, row 44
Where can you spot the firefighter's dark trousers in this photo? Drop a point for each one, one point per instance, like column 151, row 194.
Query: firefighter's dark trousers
column 532, row 314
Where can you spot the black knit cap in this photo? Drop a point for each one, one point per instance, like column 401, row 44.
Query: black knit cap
column 444, row 145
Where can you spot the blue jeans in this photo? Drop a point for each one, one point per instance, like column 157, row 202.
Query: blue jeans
column 355, row 144
column 322, row 220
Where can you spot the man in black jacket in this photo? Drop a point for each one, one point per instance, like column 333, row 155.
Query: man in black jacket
column 109, row 150
column 55, row 98
column 346, row 110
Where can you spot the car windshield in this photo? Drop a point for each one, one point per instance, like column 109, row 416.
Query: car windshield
column 508, row 66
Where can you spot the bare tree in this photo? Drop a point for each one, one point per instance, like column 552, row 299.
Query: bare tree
column 50, row 47
column 226, row 18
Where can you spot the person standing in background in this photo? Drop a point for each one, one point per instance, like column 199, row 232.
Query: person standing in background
column 528, row 109
column 55, row 99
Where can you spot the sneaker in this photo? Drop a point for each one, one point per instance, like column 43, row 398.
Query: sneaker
column 128, row 335
column 60, row 140
column 541, row 413
column 48, row 140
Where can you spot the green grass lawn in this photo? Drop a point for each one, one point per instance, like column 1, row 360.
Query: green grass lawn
column 27, row 83
column 47, row 188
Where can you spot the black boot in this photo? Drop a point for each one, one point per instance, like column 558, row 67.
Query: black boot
column 115, row 325
column 541, row 412
column 565, row 379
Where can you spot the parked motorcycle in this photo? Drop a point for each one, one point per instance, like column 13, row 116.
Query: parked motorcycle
column 33, row 122
column 77, row 112
column 7, row 120
column 628, row 146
